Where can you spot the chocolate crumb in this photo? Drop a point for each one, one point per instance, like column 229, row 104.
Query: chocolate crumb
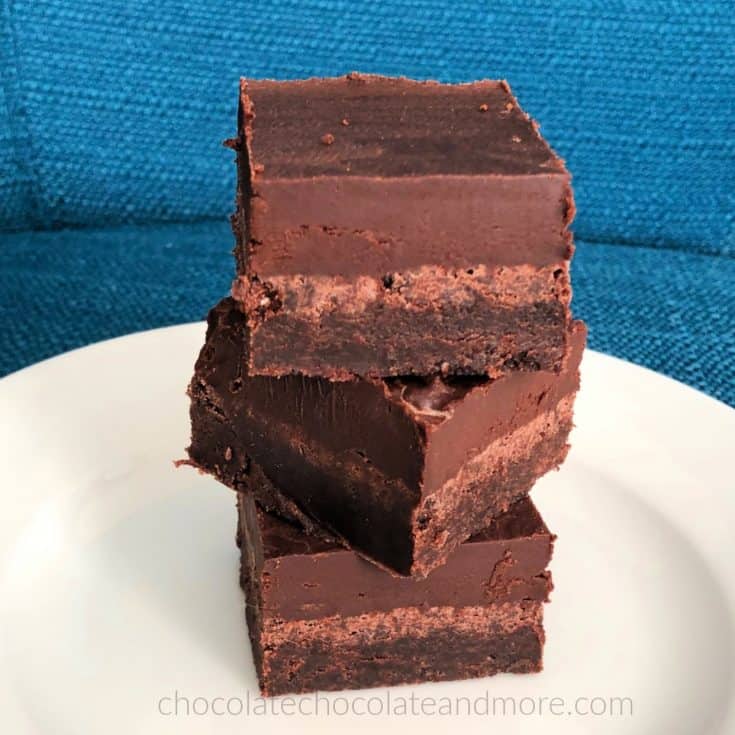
column 516, row 139
column 483, row 107
column 356, row 76
column 327, row 139
column 345, row 122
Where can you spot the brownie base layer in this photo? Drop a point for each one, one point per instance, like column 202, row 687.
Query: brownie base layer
column 474, row 321
column 404, row 646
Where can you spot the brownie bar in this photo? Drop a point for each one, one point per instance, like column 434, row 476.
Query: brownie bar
column 401, row 470
column 319, row 617
column 392, row 227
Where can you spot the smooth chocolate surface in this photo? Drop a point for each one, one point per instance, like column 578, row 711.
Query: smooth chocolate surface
column 311, row 577
column 402, row 470
column 320, row 617
column 395, row 127
column 367, row 201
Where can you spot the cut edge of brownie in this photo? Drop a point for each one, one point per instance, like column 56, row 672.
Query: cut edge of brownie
column 487, row 482
column 403, row 642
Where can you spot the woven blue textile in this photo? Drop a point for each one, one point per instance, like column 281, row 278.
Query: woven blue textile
column 114, row 111
column 671, row 311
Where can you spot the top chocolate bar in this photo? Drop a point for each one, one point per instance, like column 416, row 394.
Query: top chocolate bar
column 393, row 227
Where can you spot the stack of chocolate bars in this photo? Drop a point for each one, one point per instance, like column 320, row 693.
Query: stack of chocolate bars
column 395, row 369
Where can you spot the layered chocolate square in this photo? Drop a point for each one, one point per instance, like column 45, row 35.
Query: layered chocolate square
column 402, row 470
column 320, row 617
column 392, row 227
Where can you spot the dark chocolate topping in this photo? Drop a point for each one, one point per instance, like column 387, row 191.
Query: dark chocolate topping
column 281, row 538
column 397, row 127
column 308, row 578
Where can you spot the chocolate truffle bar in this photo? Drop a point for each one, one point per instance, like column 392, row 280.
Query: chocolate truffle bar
column 401, row 470
column 392, row 227
column 321, row 618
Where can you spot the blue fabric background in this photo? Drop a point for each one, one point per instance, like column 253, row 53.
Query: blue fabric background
column 113, row 113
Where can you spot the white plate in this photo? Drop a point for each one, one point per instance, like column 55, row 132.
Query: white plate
column 118, row 573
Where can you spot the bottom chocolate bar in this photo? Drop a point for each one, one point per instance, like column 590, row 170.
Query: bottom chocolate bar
column 322, row 618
